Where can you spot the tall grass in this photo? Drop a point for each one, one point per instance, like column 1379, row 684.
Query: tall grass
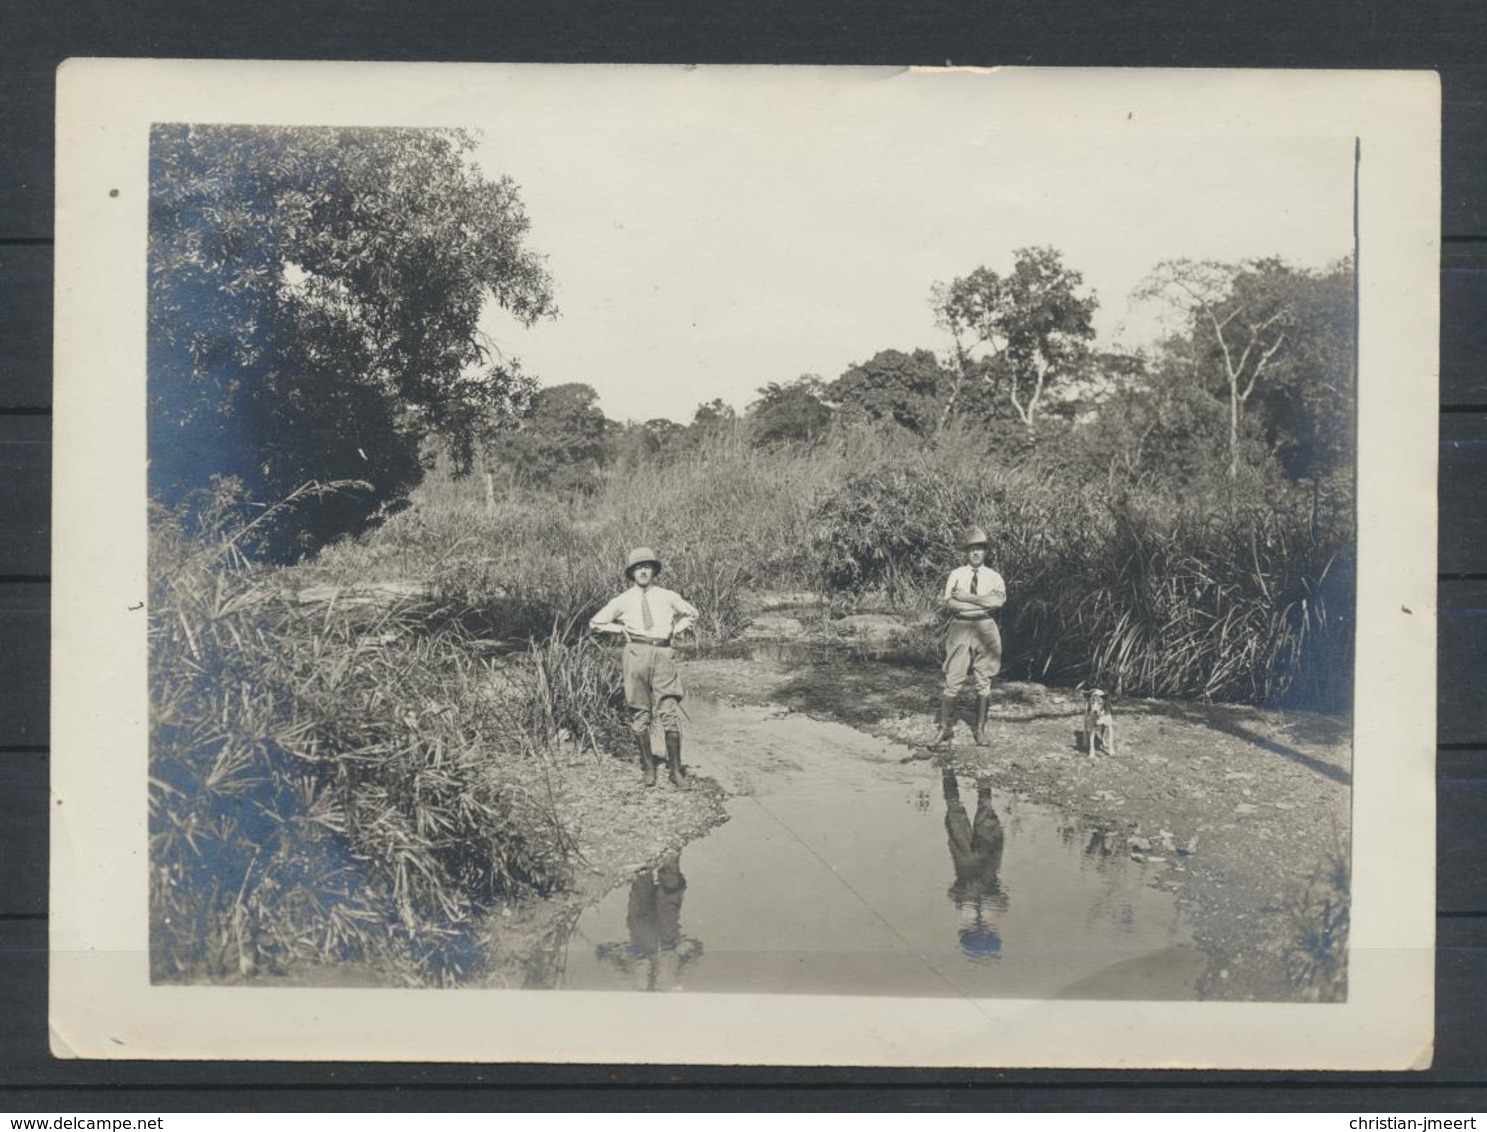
column 1237, row 594
column 725, row 519
column 1245, row 607
column 1143, row 594
column 330, row 785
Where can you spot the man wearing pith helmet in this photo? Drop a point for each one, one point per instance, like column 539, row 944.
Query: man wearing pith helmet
column 649, row 617
column 973, row 644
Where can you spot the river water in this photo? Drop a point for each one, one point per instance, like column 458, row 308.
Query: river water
column 845, row 869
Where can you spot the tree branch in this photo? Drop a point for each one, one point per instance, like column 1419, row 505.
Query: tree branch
column 1260, row 366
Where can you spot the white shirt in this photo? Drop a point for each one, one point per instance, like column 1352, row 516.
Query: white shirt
column 988, row 581
column 670, row 612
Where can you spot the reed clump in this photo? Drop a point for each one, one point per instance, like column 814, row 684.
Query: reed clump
column 1237, row 591
column 331, row 785
column 1246, row 601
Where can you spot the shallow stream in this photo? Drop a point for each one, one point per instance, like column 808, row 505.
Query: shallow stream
column 847, row 867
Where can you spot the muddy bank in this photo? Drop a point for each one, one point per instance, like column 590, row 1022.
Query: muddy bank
column 616, row 827
column 1241, row 814
column 613, row 827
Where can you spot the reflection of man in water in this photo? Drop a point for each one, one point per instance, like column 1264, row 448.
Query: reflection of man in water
column 657, row 952
column 976, row 850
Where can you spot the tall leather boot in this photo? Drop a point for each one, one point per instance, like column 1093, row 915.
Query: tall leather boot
column 947, row 723
column 647, row 760
column 674, row 769
column 983, row 707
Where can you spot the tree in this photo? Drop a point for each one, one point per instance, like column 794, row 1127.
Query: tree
column 1305, row 406
column 793, row 413
column 1155, row 423
column 906, row 389
column 664, row 437
column 314, row 305
column 715, row 415
column 560, row 441
column 713, row 425
column 1032, row 328
column 1243, row 312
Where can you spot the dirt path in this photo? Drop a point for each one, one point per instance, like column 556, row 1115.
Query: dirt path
column 1240, row 813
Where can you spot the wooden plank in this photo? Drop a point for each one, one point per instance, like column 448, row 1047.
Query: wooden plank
column 693, row 1089
column 25, row 326
column 24, row 674
column 25, row 495
column 1461, row 998
column 1461, row 682
column 1461, row 762
column 26, row 141
column 1464, row 328
column 1463, row 488
column 24, row 797
column 1461, row 847
column 22, row 997
column 1464, row 145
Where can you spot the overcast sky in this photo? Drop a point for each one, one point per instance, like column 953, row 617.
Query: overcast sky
column 712, row 231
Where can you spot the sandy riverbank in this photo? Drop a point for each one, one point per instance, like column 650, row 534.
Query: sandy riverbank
column 1242, row 813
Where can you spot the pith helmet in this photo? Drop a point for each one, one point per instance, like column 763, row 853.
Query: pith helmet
column 640, row 556
column 973, row 536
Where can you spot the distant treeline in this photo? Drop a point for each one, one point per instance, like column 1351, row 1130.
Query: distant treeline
column 1260, row 380
column 316, row 297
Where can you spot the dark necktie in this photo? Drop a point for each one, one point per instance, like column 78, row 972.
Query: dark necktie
column 973, row 579
column 645, row 611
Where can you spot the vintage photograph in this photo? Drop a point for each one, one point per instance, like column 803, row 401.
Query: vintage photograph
column 749, row 532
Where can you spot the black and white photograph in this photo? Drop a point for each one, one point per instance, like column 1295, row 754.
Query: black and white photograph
column 745, row 564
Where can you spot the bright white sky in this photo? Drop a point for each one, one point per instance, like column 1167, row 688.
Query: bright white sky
column 712, row 231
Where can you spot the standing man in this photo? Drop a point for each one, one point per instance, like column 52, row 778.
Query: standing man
column 973, row 646
column 648, row 617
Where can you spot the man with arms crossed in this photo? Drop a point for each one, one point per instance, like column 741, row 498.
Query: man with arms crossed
column 973, row 645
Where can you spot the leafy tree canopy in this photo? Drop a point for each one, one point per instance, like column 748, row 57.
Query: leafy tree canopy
column 1276, row 344
column 314, row 306
column 1304, row 412
column 1034, row 324
column 793, row 413
column 561, row 440
column 714, row 416
column 905, row 389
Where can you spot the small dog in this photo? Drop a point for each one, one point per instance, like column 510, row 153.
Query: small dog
column 1099, row 722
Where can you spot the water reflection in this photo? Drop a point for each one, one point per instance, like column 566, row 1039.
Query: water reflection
column 1104, row 843
column 976, row 852
column 830, row 878
column 656, row 953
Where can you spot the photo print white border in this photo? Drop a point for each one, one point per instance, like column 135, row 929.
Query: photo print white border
column 102, row 1002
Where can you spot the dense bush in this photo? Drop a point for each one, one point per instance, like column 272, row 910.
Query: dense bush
column 1239, row 590
column 315, row 306
column 327, row 787
column 1248, row 602
column 724, row 519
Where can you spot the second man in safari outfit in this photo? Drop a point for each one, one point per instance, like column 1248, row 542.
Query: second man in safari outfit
column 973, row 644
column 648, row 616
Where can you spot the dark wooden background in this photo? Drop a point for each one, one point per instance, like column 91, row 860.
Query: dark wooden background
column 1450, row 37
